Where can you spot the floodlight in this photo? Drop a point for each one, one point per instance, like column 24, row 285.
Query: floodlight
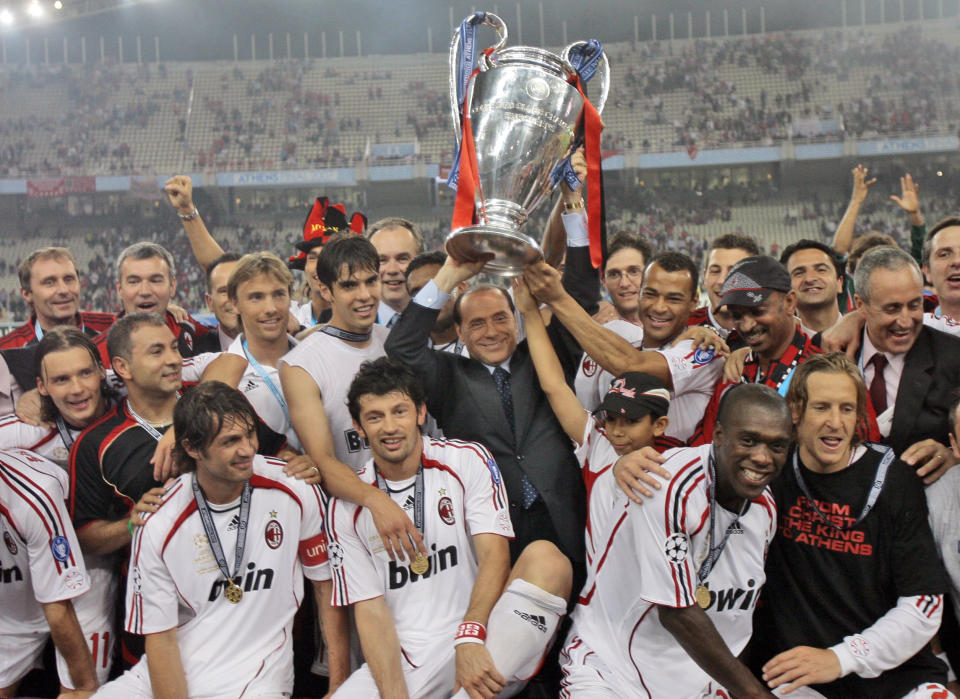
column 58, row 5
column 34, row 9
column 6, row 17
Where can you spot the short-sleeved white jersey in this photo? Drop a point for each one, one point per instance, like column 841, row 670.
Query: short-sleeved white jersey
column 659, row 548
column 591, row 382
column 174, row 582
column 464, row 495
column 45, row 441
column 261, row 397
column 193, row 367
column 332, row 364
column 695, row 373
column 40, row 560
column 942, row 322
column 596, row 456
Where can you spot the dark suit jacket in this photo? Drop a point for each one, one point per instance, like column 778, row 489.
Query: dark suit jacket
column 463, row 398
column 931, row 374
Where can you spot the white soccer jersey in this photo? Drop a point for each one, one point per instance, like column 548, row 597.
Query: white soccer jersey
column 40, row 560
column 659, row 548
column 596, row 456
column 332, row 364
column 193, row 367
column 174, row 582
column 695, row 374
column 463, row 495
column 261, row 397
column 45, row 441
column 591, row 382
column 942, row 322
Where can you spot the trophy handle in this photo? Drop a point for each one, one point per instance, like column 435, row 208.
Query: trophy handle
column 603, row 68
column 491, row 20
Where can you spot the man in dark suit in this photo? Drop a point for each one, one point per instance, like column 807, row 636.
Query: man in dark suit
column 493, row 397
column 910, row 370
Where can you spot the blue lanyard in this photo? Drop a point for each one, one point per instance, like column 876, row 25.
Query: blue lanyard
column 262, row 373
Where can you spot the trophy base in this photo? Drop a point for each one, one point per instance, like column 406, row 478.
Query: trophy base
column 511, row 250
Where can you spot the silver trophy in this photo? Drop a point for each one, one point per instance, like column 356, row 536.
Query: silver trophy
column 523, row 113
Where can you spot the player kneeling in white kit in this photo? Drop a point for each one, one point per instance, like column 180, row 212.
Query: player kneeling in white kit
column 672, row 584
column 41, row 571
column 422, row 623
column 216, row 573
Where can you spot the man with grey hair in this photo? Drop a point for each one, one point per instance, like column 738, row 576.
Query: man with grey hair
column 397, row 241
column 146, row 281
column 898, row 351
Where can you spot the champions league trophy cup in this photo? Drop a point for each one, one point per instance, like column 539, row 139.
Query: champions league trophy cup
column 523, row 107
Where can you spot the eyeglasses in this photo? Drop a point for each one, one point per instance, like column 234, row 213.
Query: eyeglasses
column 634, row 274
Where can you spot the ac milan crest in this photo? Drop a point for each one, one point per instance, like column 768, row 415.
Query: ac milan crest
column 445, row 509
column 589, row 367
column 11, row 544
column 273, row 534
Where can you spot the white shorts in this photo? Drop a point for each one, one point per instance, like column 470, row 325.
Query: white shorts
column 19, row 654
column 95, row 612
column 927, row 690
column 434, row 679
column 586, row 676
column 135, row 684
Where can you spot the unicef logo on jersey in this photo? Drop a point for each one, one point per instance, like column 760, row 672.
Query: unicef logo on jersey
column 703, row 356
column 60, row 548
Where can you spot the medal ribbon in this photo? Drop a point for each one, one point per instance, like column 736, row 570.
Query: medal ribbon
column 150, row 429
column 262, row 373
column 211, row 530
column 714, row 555
column 64, row 432
column 345, row 334
column 584, row 58
column 596, row 213
column 418, row 496
column 465, row 70
column 878, row 480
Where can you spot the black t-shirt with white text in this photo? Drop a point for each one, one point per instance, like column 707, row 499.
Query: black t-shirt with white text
column 825, row 583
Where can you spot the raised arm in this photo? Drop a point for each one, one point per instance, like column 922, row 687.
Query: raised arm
column 563, row 400
column 179, row 190
column 570, row 203
column 909, row 201
column 844, row 235
column 609, row 350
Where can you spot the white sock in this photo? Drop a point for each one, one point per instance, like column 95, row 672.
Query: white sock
column 521, row 627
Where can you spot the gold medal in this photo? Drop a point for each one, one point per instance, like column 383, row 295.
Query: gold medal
column 233, row 592
column 420, row 564
column 702, row 596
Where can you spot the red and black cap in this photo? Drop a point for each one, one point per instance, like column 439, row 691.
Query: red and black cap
column 635, row 394
column 752, row 280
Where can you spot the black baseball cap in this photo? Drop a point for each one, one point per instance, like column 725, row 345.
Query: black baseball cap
column 635, row 394
column 752, row 280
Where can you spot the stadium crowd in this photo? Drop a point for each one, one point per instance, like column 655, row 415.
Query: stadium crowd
column 697, row 471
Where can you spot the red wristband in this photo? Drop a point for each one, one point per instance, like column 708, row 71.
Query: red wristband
column 470, row 632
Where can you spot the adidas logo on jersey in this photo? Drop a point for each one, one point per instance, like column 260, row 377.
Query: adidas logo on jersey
column 440, row 560
column 734, row 598
column 254, row 580
column 249, row 386
column 234, row 523
column 409, row 503
column 538, row 621
column 10, row 575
